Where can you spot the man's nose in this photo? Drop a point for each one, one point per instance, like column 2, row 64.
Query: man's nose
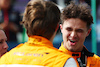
column 5, row 45
column 73, row 34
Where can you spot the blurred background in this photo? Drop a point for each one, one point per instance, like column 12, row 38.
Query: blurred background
column 92, row 42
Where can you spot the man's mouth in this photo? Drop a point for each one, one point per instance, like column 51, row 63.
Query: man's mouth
column 72, row 42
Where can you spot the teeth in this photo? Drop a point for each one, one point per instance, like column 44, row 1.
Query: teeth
column 72, row 41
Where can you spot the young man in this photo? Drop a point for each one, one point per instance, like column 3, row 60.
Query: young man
column 75, row 27
column 3, row 44
column 41, row 20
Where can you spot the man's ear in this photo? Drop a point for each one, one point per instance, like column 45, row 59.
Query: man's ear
column 88, row 31
column 61, row 27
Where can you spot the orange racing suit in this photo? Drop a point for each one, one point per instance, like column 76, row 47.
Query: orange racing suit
column 88, row 59
column 38, row 52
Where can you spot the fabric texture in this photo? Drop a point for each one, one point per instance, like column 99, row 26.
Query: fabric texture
column 37, row 51
column 91, row 59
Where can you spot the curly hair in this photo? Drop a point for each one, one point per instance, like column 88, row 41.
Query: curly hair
column 81, row 11
column 41, row 18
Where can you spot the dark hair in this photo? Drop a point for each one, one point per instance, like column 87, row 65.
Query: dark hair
column 81, row 11
column 41, row 18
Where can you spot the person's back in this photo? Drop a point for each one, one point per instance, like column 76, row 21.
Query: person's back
column 42, row 54
column 41, row 20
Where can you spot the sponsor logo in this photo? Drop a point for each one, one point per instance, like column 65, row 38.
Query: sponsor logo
column 28, row 54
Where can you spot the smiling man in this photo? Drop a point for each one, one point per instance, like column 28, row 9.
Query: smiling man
column 74, row 33
column 75, row 27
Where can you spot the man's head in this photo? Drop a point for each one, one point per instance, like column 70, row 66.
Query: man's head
column 75, row 27
column 41, row 18
column 3, row 44
column 5, row 4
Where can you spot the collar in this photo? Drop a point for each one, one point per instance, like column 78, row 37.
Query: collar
column 76, row 54
column 38, row 40
column 87, row 53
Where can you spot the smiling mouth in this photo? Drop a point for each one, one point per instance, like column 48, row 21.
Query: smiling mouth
column 72, row 41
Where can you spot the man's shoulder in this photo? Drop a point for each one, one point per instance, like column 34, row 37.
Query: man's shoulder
column 60, row 52
column 96, row 56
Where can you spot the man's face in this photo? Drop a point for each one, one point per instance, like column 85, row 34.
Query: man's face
column 74, row 32
column 3, row 44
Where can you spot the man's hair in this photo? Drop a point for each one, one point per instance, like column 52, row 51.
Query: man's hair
column 81, row 11
column 41, row 18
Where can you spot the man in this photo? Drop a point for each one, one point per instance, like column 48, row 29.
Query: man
column 41, row 19
column 75, row 27
column 3, row 44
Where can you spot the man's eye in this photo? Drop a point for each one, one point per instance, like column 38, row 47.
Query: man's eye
column 80, row 31
column 69, row 29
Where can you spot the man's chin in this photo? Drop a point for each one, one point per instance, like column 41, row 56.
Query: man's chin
column 72, row 49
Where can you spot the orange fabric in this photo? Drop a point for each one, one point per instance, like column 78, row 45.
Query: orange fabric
column 91, row 61
column 70, row 53
column 37, row 51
